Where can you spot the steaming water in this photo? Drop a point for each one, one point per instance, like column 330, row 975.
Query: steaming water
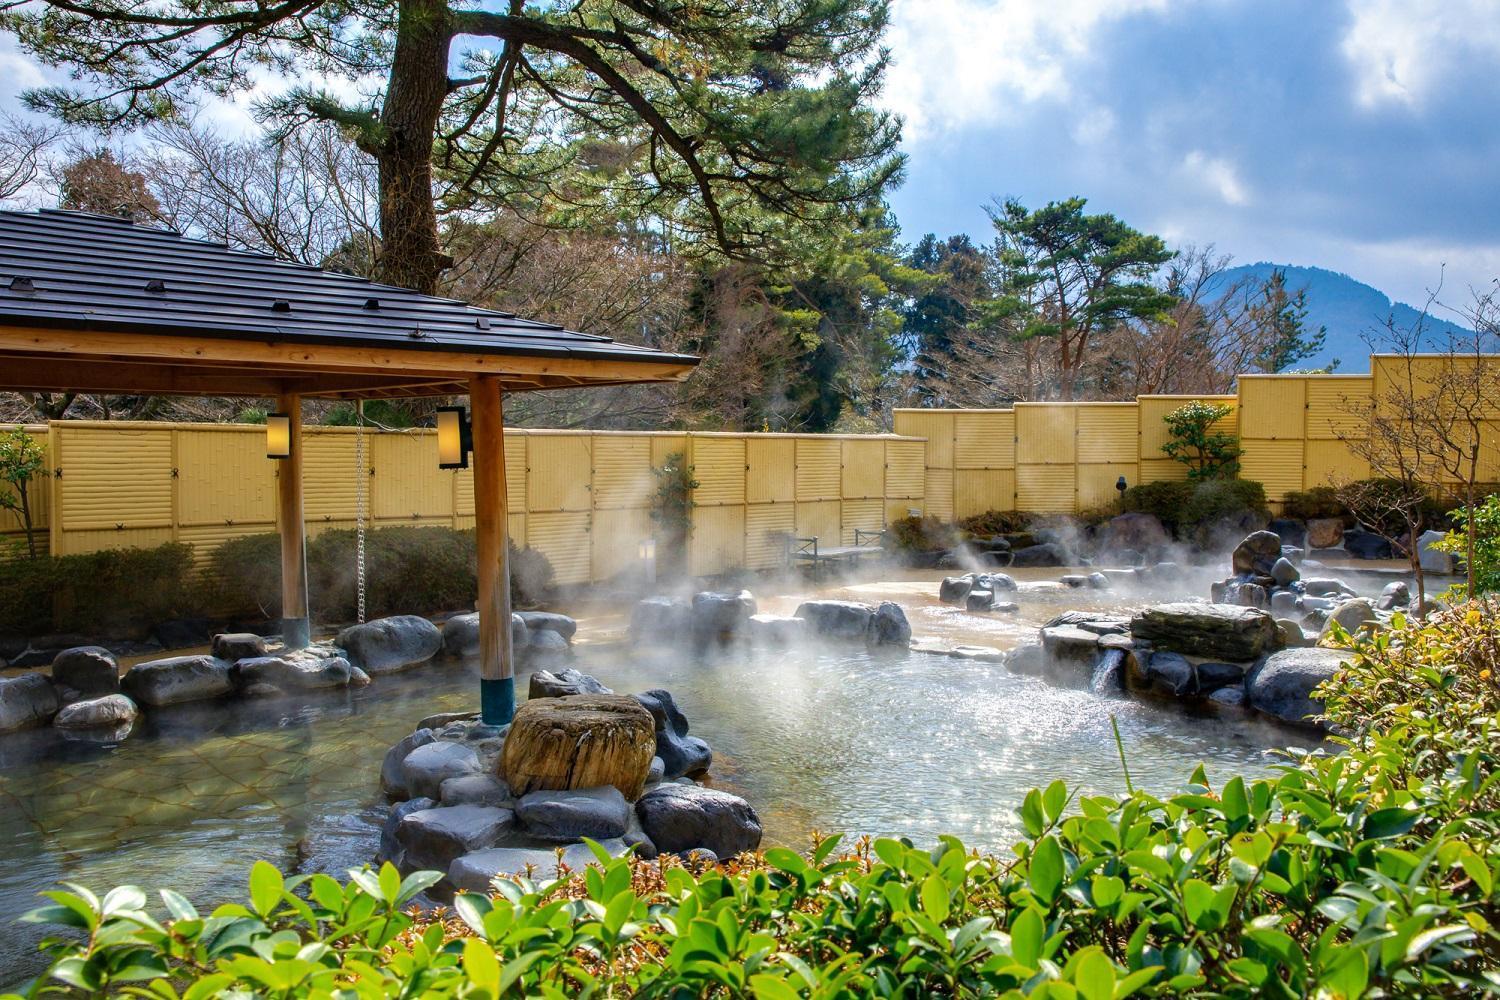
column 833, row 740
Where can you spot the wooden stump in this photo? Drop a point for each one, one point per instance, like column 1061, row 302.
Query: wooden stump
column 580, row 741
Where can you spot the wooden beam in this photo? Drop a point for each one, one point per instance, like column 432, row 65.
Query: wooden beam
column 497, row 690
column 172, row 348
column 295, row 625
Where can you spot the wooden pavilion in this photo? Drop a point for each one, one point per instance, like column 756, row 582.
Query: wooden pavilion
column 97, row 304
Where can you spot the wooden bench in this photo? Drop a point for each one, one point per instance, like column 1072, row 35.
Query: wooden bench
column 807, row 551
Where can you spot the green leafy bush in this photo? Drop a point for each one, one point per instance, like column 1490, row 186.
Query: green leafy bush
column 1189, row 507
column 407, row 571
column 1486, row 521
column 1163, row 499
column 107, row 594
column 996, row 522
column 921, row 534
column 1372, row 872
column 1207, row 453
column 1318, row 502
column 672, row 511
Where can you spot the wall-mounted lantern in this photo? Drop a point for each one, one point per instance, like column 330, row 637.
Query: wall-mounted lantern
column 278, row 435
column 647, row 552
column 455, row 438
column 1122, row 486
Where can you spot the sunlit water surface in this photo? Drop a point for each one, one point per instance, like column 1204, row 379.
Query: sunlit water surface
column 830, row 740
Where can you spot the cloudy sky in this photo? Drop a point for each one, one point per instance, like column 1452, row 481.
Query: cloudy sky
column 1358, row 135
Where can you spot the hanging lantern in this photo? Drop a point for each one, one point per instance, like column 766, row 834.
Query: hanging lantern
column 455, row 439
column 278, row 435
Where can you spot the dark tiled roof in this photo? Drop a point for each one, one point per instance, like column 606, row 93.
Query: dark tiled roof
column 78, row 271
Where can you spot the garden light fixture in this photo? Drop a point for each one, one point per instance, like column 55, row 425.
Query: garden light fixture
column 455, row 438
column 278, row 435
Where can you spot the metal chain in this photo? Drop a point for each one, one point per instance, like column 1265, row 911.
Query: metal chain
column 361, row 489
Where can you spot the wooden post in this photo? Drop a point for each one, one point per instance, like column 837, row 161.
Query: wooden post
column 295, row 627
column 497, row 684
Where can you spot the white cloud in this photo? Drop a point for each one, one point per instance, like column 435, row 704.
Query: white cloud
column 1400, row 50
column 1217, row 175
column 963, row 62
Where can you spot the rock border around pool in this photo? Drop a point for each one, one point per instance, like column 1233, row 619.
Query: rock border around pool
column 725, row 617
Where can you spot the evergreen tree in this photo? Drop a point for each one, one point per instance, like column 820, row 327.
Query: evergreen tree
column 1283, row 315
column 944, row 306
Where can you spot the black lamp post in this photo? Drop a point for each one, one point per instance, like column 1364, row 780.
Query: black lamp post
column 1121, row 486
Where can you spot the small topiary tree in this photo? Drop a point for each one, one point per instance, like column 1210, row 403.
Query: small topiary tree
column 672, row 510
column 1208, row 454
column 21, row 462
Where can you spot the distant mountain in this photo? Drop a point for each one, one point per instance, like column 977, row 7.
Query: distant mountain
column 1349, row 309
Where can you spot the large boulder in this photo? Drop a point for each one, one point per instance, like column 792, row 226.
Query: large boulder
column 1170, row 674
column 89, row 670
column 955, row 589
column 1139, row 535
column 474, row 790
column 717, row 614
column 177, row 679
column 679, row 818
column 390, row 847
column 1220, row 631
column 572, row 814
column 315, row 668
column 424, row 770
column 680, row 753
column 661, row 619
column 776, row 631
column 546, row 684
column 1325, row 533
column 1045, row 554
column 388, row 645
column 110, row 711
column 1431, row 559
column 476, row 871
column 1292, row 531
column 1070, row 647
column 1256, row 554
column 1284, row 573
column 434, row 838
column 1352, row 615
column 1282, row 684
column 28, row 700
column 837, row 619
column 581, row 741
column 461, row 635
column 998, row 583
column 548, row 621
column 233, row 646
column 888, row 626
column 1364, row 544
column 392, row 777
column 1395, row 595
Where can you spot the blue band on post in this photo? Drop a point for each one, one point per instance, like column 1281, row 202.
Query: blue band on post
column 296, row 633
column 497, row 701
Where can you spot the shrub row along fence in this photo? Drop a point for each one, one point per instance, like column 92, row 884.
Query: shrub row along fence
column 584, row 499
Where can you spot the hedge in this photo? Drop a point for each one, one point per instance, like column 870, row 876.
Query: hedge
column 114, row 592
column 1372, row 872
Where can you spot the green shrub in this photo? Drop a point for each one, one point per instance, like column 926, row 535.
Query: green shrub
column 107, row 594
column 1191, row 508
column 1163, row 499
column 921, row 534
column 1207, row 453
column 1486, row 519
column 1368, row 873
column 995, row 522
column 408, row 570
column 672, row 512
column 1318, row 502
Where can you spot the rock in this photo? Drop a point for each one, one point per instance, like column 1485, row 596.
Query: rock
column 432, row 839
column 837, row 619
column 177, row 679
column 548, row 621
column 1045, row 554
column 1170, row 673
column 474, row 790
column 776, row 630
column 1229, row 697
column 718, row 614
column 888, row 626
column 1249, row 595
column 680, row 753
column 681, row 817
column 1005, row 606
column 1395, row 595
column 546, row 684
column 392, row 778
column 1030, row 660
column 1324, row 587
column 979, row 600
column 954, row 589
column 1284, row 573
column 1212, row 676
column 1096, row 622
column 424, row 770
column 27, row 700
column 1256, row 553
column 1284, row 602
column 1325, row 533
column 1292, row 635
column 358, row 678
column 110, row 711
column 547, row 646
column 1074, row 581
column 310, row 669
column 580, row 741
column 1221, row 631
column 1098, row 581
column 996, row 583
column 635, row 837
column 661, row 619
column 390, row 847
column 461, row 636
column 474, row 872
column 89, row 670
column 1140, row 534
column 180, row 633
column 233, row 646
column 1431, row 559
column 596, row 813
column 1070, row 646
column 1290, row 530
column 988, row 654
column 1282, row 684
column 388, row 645
column 1352, row 615
column 658, row 772
column 1364, row 544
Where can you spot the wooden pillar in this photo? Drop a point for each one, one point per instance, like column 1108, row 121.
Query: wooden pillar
column 497, row 685
column 295, row 627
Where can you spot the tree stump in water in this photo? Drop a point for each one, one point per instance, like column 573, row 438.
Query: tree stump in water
column 579, row 741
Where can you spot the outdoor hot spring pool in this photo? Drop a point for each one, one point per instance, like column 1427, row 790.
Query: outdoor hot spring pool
column 840, row 740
